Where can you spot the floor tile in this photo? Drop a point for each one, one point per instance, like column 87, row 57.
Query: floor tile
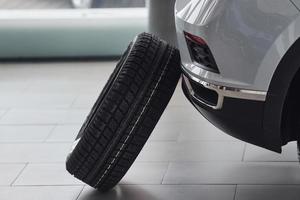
column 38, row 193
column 266, row 192
column 178, row 98
column 24, row 133
column 145, row 173
column 64, row 88
column 192, row 151
column 64, row 133
column 165, row 132
column 34, row 116
column 56, row 174
column 181, row 114
column 44, row 116
column 85, row 101
column 9, row 172
column 46, row 174
column 37, row 101
column 76, row 116
column 202, row 130
column 10, row 87
column 206, row 163
column 61, row 71
column 34, row 152
column 233, row 173
column 162, row 192
column 2, row 113
column 257, row 154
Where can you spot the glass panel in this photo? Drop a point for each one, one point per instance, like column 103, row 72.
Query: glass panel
column 69, row 28
column 65, row 4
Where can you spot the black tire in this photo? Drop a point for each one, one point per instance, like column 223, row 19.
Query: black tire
column 126, row 112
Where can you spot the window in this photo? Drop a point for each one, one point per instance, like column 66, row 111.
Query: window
column 68, row 28
column 68, row 4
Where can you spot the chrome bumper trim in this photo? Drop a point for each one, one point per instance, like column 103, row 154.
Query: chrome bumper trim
column 223, row 91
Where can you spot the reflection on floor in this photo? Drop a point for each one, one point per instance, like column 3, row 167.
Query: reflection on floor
column 43, row 105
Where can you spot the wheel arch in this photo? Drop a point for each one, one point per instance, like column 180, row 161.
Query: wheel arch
column 276, row 106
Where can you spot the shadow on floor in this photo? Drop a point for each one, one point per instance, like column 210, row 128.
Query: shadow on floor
column 133, row 192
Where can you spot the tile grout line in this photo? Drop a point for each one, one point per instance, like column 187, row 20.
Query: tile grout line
column 163, row 162
column 39, row 124
column 244, row 152
column 29, row 124
column 235, row 192
column 19, row 174
column 73, row 102
column 5, row 112
column 48, row 185
column 166, row 171
column 153, row 184
column 26, row 89
column 80, row 193
column 37, row 142
column 50, row 133
column 295, row 5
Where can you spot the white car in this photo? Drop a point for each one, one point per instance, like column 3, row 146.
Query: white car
column 82, row 3
column 240, row 60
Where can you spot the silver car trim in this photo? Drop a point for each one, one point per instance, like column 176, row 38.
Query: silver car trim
column 223, row 91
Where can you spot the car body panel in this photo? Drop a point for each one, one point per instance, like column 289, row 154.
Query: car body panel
column 82, row 3
column 245, row 37
column 251, row 41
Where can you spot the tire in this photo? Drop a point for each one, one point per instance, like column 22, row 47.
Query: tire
column 126, row 113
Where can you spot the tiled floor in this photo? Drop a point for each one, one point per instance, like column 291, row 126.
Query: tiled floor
column 42, row 106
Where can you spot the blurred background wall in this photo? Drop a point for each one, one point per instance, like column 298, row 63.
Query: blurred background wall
column 54, row 28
